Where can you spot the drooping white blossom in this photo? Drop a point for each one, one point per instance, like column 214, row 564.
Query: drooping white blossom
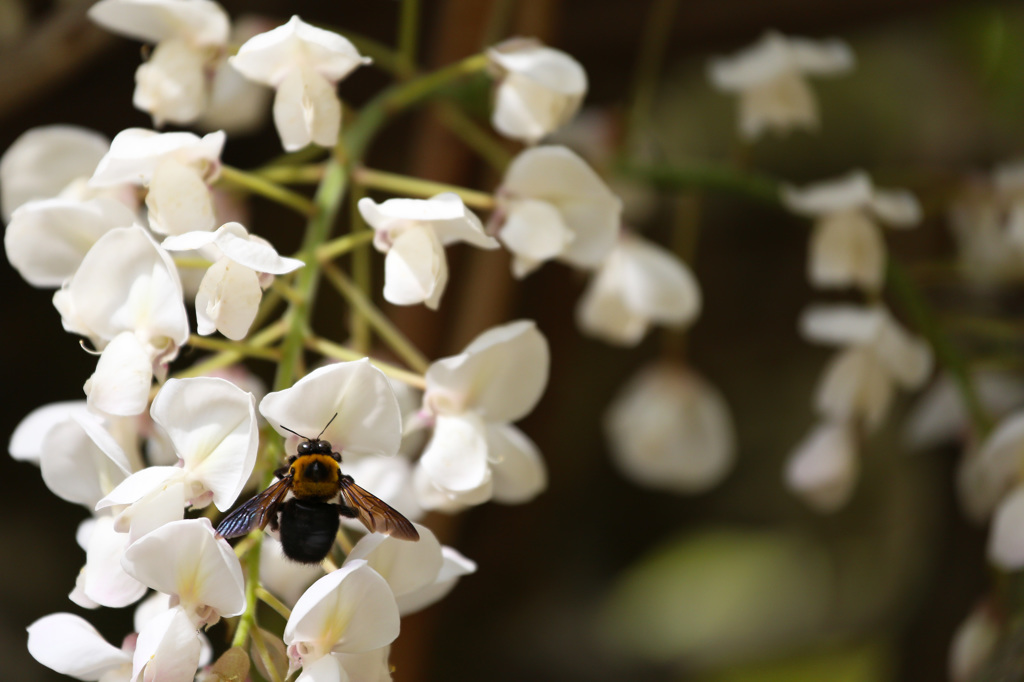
column 992, row 472
column 538, row 89
column 230, row 292
column 413, row 234
column 348, row 611
column 939, row 415
column 474, row 452
column 824, row 467
column 236, row 105
column 552, row 205
column 212, row 426
column 847, row 246
column 877, row 356
column 190, row 36
column 126, row 297
column 669, row 429
column 639, row 283
column 176, row 168
column 303, row 64
column 169, row 648
column 973, row 643
column 102, row 581
column 987, row 222
column 70, row 645
column 770, row 78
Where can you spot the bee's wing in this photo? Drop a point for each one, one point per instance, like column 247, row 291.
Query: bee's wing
column 376, row 514
column 256, row 512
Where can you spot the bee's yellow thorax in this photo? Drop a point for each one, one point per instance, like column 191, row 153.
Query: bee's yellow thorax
column 305, row 486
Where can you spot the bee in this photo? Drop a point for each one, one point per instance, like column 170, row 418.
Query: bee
column 308, row 520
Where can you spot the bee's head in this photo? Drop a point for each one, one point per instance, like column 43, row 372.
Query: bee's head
column 319, row 447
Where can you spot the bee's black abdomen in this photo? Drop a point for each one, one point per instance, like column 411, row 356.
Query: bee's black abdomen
column 308, row 529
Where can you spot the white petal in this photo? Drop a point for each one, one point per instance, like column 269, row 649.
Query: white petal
column 908, row 358
column 1006, row 541
column 71, row 646
column 445, row 214
column 973, row 643
column 849, row 192
column 589, row 209
column 28, row 441
column 178, row 200
column 847, row 249
column 455, row 459
column 171, row 84
column 323, row 669
column 898, row 208
column 134, row 154
column 120, row 384
column 657, row 284
column 106, row 583
column 371, row 666
column 987, row 474
column 406, row 566
column 415, row 269
column 368, row 421
column 350, row 610
column 821, row 57
column 228, row 299
column 517, row 469
column 269, row 57
column 45, row 160
column 501, row 374
column 75, row 468
column 535, row 232
column 454, row 567
column 138, row 485
column 252, row 252
column 187, row 559
column 670, row 429
column 602, row 310
column 841, row 324
column 752, row 66
column 284, row 578
column 781, row 105
column 307, row 109
column 823, row 469
column 168, row 649
column 855, row 384
column 212, row 424
column 189, row 241
column 202, row 21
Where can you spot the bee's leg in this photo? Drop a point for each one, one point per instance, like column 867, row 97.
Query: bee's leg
column 282, row 472
column 347, row 511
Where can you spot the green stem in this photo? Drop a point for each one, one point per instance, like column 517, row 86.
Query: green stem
column 359, row 326
column 229, row 357
column 407, row 185
column 344, row 244
column 273, row 602
column 691, row 177
column 265, row 657
column 255, row 184
column 408, row 27
column 244, row 349
column 387, row 331
column 645, row 77
column 333, row 350
column 473, row 135
column 293, row 175
column 248, row 618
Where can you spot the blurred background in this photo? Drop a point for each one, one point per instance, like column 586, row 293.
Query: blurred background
column 600, row 579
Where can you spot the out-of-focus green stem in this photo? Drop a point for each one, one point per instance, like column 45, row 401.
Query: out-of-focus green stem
column 292, row 175
column 273, row 602
column 408, row 29
column 709, row 177
column 240, row 347
column 256, row 184
column 264, row 653
column 344, row 244
column 645, row 76
column 477, row 138
column 406, row 185
column 359, row 326
column 333, row 350
column 229, row 357
column 387, row 331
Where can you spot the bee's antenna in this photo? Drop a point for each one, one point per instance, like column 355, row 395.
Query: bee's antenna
column 295, row 432
column 325, row 428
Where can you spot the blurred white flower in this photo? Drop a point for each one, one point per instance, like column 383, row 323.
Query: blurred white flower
column 987, row 221
column 303, row 64
column 668, row 428
column 991, row 472
column 939, row 415
column 475, row 453
column 538, row 89
column 212, row 426
column 638, row 284
column 552, row 205
column 70, row 645
column 847, row 247
column 877, row 355
column 973, row 643
column 824, row 467
column 348, row 611
column 190, row 35
column 770, row 78
column 230, row 292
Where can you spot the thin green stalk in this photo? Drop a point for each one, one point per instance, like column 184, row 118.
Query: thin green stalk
column 710, row 177
column 244, row 349
column 408, row 29
column 362, row 273
column 344, row 244
column 473, row 135
column 273, row 602
column 407, row 185
column 292, row 175
column 338, row 352
column 386, row 330
column 252, row 564
column 229, row 357
column 265, row 657
column 645, row 77
column 255, row 184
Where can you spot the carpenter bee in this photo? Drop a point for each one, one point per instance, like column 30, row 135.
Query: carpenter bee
column 308, row 519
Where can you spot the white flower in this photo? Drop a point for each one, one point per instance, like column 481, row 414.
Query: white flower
column 552, row 205
column 236, row 105
column 284, row 578
column 230, row 292
column 474, row 453
column 639, row 283
column 169, row 649
column 102, row 580
column 973, row 643
column 771, row 80
column 45, row 161
column 847, row 246
column 939, row 416
column 304, row 64
column 670, row 429
column 348, row 611
column 187, row 560
column 212, row 426
column 175, row 167
column 68, row 644
column 368, row 420
column 126, row 297
column 539, row 89
column 418, row 573
column 989, row 474
column 413, row 233
column 877, row 355
column 987, row 221
column 189, row 36
column 824, row 467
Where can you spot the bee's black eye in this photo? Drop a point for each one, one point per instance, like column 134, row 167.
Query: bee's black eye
column 322, row 447
column 305, row 448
